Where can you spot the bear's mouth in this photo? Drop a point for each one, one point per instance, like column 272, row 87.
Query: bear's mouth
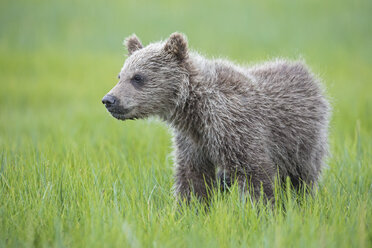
column 118, row 116
column 121, row 115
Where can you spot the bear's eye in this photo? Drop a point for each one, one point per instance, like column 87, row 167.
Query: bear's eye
column 118, row 76
column 137, row 79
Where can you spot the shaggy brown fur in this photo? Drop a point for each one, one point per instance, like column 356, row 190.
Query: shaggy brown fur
column 246, row 123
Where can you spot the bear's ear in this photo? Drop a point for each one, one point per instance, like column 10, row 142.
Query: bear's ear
column 133, row 44
column 176, row 45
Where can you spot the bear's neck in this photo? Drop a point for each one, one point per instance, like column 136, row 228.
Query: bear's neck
column 191, row 113
column 209, row 93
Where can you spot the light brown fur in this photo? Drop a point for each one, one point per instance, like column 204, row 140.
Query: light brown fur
column 246, row 123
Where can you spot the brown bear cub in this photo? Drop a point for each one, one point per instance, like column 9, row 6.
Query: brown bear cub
column 253, row 125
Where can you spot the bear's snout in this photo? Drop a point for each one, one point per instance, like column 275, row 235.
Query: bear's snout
column 112, row 104
column 109, row 100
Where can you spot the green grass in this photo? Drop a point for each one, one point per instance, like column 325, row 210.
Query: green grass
column 71, row 175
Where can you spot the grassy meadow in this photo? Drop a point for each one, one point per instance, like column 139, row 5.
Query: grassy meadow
column 73, row 176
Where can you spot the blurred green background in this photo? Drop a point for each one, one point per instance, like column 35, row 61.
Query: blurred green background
column 71, row 175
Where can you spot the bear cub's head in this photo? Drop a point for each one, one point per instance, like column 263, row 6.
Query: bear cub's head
column 153, row 80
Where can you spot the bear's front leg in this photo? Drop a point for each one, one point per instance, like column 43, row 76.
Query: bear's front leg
column 250, row 179
column 194, row 173
column 259, row 179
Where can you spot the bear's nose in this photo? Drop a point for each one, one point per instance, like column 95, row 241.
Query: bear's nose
column 108, row 100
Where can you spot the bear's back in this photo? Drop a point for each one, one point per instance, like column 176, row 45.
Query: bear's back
column 298, row 113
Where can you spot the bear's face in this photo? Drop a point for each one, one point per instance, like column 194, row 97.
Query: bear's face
column 151, row 80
